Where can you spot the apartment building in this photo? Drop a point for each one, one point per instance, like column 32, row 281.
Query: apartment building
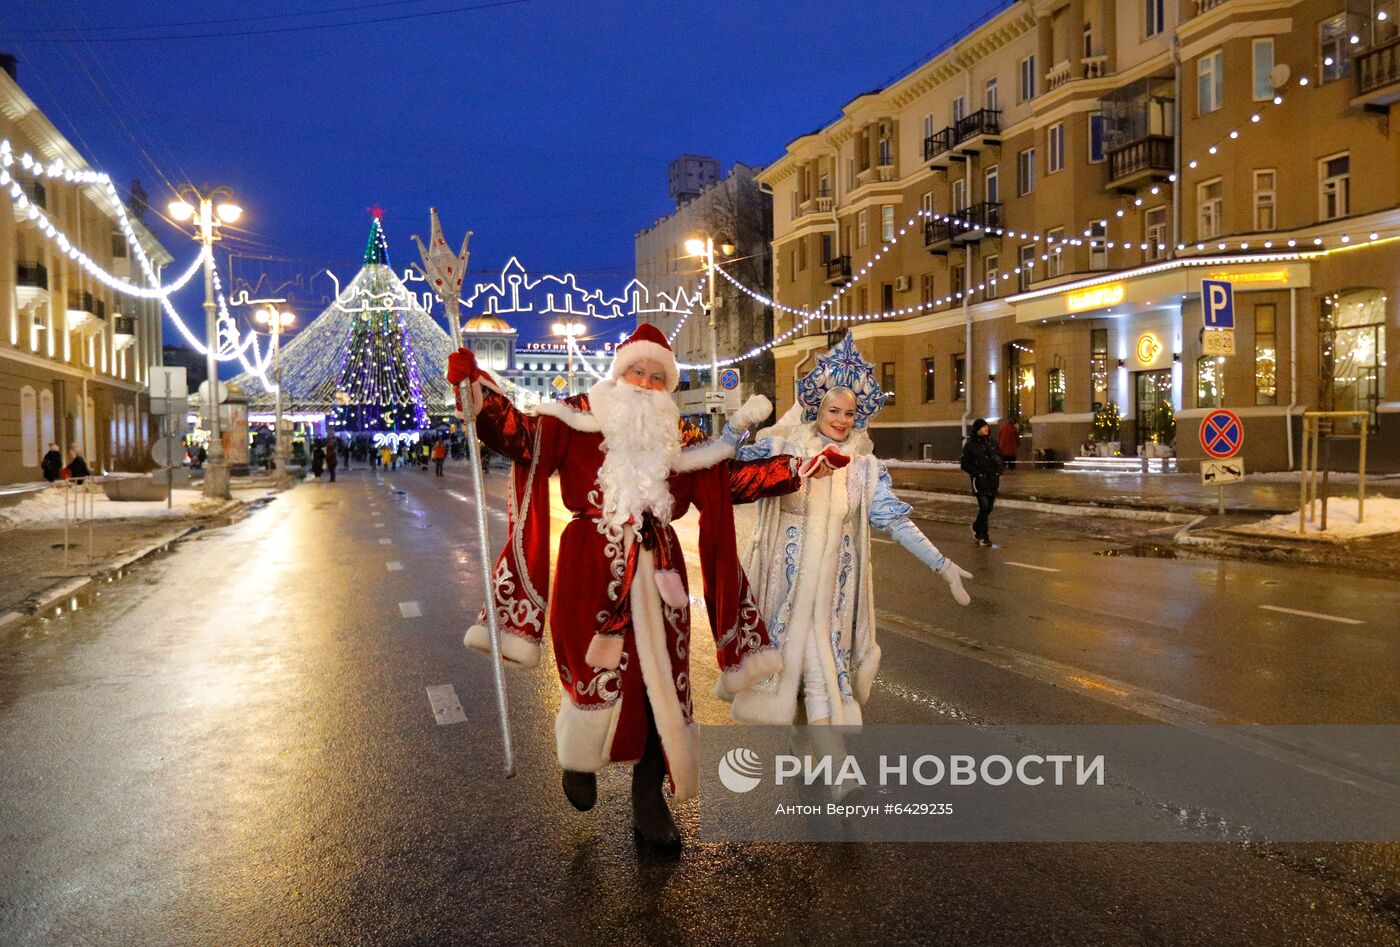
column 1039, row 203
column 738, row 209
column 74, row 354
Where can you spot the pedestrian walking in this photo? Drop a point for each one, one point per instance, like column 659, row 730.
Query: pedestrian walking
column 981, row 460
column 52, row 464
column 386, row 458
column 1009, row 442
column 332, row 458
column 77, row 468
column 439, row 457
column 318, row 460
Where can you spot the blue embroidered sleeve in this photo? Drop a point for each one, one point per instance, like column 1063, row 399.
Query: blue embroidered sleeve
column 890, row 513
column 761, row 450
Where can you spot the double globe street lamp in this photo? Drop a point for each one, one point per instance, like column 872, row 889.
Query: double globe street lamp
column 208, row 212
column 276, row 320
column 704, row 245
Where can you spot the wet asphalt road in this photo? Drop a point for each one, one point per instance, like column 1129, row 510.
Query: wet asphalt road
column 234, row 745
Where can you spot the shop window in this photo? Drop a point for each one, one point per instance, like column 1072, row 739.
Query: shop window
column 1020, row 380
column 1265, row 354
column 1209, row 381
column 887, row 380
column 1352, row 341
column 1098, row 367
column 1056, row 381
column 959, row 378
column 929, row 388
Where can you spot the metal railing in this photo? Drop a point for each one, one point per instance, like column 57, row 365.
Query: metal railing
column 1315, row 438
column 980, row 122
column 977, row 219
column 938, row 143
column 936, row 232
column 838, row 268
column 82, row 301
column 32, row 274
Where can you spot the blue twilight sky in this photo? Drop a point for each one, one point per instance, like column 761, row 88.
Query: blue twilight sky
column 543, row 125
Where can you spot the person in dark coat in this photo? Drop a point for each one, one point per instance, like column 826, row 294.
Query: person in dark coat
column 332, row 458
column 318, row 460
column 1009, row 442
column 77, row 468
column 981, row 460
column 52, row 464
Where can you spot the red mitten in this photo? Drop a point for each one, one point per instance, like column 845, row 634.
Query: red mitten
column 461, row 366
column 833, row 457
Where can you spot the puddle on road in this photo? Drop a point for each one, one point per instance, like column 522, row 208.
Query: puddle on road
column 1141, row 552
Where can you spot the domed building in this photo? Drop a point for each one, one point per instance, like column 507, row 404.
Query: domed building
column 492, row 339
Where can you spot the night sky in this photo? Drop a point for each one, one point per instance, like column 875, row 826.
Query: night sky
column 543, row 125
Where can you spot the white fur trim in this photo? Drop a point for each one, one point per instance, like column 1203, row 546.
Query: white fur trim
column 583, row 738
column 753, row 668
column 679, row 738
column 755, row 410
column 633, row 352
column 521, row 652
column 604, row 652
column 571, row 416
column 864, row 677
column 702, row 456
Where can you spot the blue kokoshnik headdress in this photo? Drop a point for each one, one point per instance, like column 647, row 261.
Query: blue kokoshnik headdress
column 842, row 367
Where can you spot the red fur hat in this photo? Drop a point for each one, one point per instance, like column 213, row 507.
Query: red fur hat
column 648, row 342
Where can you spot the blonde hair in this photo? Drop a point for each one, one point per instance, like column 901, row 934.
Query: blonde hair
column 832, row 393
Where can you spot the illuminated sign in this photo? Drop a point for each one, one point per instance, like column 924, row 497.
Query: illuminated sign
column 1148, row 348
column 1269, row 276
column 1094, row 298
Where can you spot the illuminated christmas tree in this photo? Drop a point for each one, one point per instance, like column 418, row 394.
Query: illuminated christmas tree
column 378, row 387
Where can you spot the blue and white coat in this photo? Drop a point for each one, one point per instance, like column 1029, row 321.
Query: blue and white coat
column 809, row 564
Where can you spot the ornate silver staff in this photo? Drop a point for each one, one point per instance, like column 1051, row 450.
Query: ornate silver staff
column 445, row 272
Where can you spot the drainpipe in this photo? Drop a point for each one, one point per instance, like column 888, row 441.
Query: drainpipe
column 1178, row 128
column 968, row 385
column 1292, row 369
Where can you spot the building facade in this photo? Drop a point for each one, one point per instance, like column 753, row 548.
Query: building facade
column 1024, row 223
column 736, row 208
column 74, row 354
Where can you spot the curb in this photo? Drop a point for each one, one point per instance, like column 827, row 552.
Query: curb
column 1148, row 514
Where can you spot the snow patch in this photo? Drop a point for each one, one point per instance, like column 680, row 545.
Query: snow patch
column 1382, row 518
column 922, row 464
column 45, row 509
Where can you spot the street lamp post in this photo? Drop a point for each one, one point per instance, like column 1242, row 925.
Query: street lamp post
column 570, row 331
column 275, row 319
column 704, row 247
column 192, row 204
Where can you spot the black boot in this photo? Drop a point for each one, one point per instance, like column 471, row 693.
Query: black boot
column 651, row 817
column 581, row 789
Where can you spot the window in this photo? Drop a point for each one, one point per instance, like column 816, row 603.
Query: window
column 1209, row 381
column 1334, row 186
column 1208, row 208
column 928, row 126
column 1055, row 244
column 1027, row 267
column 29, row 427
column 1027, row 78
column 1098, row 367
column 887, row 380
column 850, row 174
column 992, row 191
column 1265, row 354
column 862, row 300
column 926, row 289
column 887, row 223
column 1332, row 44
column 1055, row 142
column 802, row 254
column 990, row 99
column 1154, row 233
column 792, row 266
column 926, row 203
column 118, row 252
column 1153, row 17
column 887, row 297
column 862, row 228
column 824, row 185
column 1264, row 200
column 886, row 144
column 1210, row 82
column 794, row 212
column 1057, row 390
column 1025, row 172
column 957, row 276
column 991, row 269
column 928, row 380
column 959, row 195
column 1098, row 245
column 1095, row 138
column 959, row 378
column 959, row 109
column 1263, row 51
column 827, row 248
column 1088, row 39
column 1352, row 342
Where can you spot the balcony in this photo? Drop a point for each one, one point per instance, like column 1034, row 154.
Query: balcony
column 1095, row 67
column 35, row 192
column 938, row 236
column 1205, row 6
column 982, row 127
column 31, row 284
column 1147, row 158
column 977, row 223
column 838, row 270
column 938, row 148
column 83, row 312
column 816, row 205
column 1378, row 75
column 124, row 332
column 1058, row 76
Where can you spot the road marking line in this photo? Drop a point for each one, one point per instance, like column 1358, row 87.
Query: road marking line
column 446, row 707
column 375, row 513
column 1027, row 565
column 379, row 526
column 410, row 610
column 394, row 566
column 1294, row 611
column 386, row 542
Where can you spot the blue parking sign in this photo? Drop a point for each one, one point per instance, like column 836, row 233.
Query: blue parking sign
column 1218, row 303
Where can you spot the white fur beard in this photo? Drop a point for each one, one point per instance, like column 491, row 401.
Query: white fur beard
column 641, row 442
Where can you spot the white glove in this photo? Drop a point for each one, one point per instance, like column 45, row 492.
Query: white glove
column 755, row 410
column 953, row 574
